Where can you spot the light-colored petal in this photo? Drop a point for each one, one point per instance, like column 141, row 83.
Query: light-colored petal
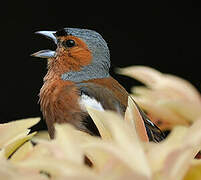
column 21, row 138
column 54, row 165
column 157, row 80
column 157, row 153
column 69, row 145
column 10, row 130
column 10, row 171
column 183, row 87
column 109, row 162
column 172, row 158
column 22, row 152
column 126, row 139
column 134, row 119
column 146, row 75
column 97, row 119
column 176, row 164
column 162, row 113
column 194, row 172
column 42, row 135
column 188, row 111
column 193, row 137
column 167, row 98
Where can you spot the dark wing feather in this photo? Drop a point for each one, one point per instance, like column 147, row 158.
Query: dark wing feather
column 153, row 132
column 90, row 125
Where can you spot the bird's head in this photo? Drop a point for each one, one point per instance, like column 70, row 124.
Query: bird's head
column 81, row 54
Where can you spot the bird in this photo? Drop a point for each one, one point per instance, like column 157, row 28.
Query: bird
column 78, row 75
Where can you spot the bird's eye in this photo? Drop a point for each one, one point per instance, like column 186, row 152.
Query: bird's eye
column 69, row 43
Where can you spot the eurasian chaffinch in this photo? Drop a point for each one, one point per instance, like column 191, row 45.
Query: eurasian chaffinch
column 78, row 75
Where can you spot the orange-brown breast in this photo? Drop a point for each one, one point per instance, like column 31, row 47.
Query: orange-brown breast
column 59, row 104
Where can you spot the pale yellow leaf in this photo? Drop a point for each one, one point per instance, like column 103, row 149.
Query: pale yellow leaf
column 146, row 75
column 193, row 137
column 134, row 118
column 161, row 112
column 10, row 130
column 110, row 162
column 194, row 172
column 178, row 161
column 10, row 171
column 42, row 135
column 182, row 87
column 97, row 119
column 189, row 111
column 126, row 139
column 56, row 167
column 168, row 98
column 22, row 152
column 69, row 145
column 157, row 153
column 10, row 148
column 176, row 164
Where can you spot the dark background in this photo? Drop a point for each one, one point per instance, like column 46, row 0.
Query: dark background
column 163, row 35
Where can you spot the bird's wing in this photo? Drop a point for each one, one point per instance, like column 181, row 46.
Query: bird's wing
column 101, row 98
column 98, row 97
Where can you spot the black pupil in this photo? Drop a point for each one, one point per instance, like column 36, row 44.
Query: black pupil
column 70, row 43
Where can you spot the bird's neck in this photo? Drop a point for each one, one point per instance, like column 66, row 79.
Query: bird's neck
column 60, row 71
column 86, row 73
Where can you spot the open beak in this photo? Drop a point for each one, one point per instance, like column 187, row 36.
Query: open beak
column 46, row 53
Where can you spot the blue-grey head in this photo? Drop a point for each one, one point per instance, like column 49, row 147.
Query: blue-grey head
column 81, row 54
